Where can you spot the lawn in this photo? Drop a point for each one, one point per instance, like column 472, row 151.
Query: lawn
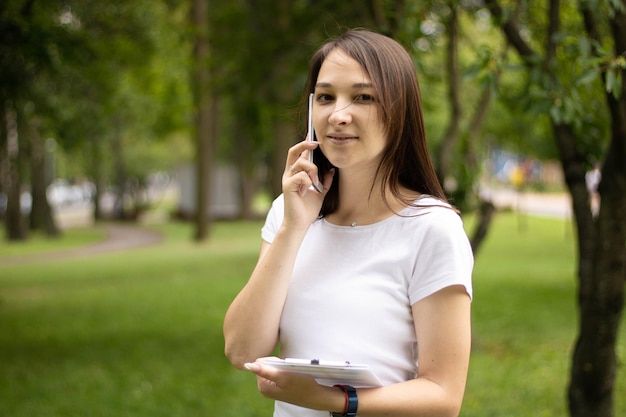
column 139, row 333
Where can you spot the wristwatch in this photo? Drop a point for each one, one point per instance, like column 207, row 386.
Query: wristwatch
column 352, row 401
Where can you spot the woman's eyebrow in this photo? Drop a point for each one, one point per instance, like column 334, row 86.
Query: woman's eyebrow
column 357, row 85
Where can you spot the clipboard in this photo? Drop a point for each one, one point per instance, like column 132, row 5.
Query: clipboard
column 327, row 372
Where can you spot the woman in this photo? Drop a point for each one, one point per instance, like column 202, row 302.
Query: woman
column 374, row 269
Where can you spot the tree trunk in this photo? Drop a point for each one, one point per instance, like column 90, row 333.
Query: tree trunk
column 450, row 138
column 601, row 242
column 120, row 211
column 601, row 291
column 601, row 300
column 247, row 166
column 15, row 225
column 41, row 217
column 486, row 210
column 204, row 117
column 94, row 147
column 464, row 179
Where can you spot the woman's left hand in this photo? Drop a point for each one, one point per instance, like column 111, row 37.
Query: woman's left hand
column 293, row 388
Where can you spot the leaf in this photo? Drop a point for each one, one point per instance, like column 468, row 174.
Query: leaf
column 587, row 77
column 555, row 114
column 615, row 7
column 614, row 82
column 584, row 45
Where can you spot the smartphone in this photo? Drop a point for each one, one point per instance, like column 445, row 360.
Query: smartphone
column 311, row 137
column 310, row 130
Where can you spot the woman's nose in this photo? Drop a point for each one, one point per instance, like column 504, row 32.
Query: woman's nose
column 341, row 114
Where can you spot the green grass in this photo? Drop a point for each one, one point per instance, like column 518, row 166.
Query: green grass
column 139, row 333
column 524, row 319
column 37, row 242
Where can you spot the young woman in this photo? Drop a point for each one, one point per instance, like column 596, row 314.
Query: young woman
column 374, row 269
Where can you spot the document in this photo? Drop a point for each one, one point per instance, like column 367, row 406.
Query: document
column 327, row 372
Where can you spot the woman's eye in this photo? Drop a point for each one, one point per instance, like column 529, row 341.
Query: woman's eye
column 321, row 98
column 364, row 98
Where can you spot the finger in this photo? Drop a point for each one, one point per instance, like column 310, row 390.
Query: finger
column 298, row 151
column 294, row 153
column 304, row 182
column 252, row 367
column 262, row 371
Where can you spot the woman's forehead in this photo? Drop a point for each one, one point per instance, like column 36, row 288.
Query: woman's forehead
column 339, row 66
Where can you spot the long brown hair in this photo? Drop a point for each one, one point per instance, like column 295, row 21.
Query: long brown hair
column 405, row 161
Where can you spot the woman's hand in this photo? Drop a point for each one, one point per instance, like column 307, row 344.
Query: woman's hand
column 298, row 389
column 300, row 186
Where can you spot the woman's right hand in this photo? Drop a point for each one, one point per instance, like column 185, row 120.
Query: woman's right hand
column 302, row 201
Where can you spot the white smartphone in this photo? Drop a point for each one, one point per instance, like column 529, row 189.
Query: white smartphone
column 310, row 130
column 311, row 137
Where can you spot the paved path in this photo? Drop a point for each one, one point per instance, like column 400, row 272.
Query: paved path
column 556, row 205
column 119, row 238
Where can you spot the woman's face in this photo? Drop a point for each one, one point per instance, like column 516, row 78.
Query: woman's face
column 346, row 114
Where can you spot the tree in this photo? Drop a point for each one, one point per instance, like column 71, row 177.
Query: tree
column 601, row 240
column 601, row 291
column 262, row 47
column 204, row 118
column 455, row 156
column 27, row 51
column 85, row 73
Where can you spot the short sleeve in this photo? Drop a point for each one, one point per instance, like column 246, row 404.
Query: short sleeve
column 274, row 219
column 445, row 257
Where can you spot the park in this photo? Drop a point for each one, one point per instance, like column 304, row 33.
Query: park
column 137, row 332
column 141, row 143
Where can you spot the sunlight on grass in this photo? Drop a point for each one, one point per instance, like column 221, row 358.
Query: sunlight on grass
column 139, row 333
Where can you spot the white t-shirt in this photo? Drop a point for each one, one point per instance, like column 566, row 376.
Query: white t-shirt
column 352, row 288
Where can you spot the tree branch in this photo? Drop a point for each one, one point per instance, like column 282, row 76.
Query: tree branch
column 511, row 29
column 444, row 155
column 553, row 29
column 591, row 25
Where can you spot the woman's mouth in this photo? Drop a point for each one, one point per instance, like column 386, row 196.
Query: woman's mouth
column 341, row 138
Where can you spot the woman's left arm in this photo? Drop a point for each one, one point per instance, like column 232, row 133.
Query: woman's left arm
column 443, row 329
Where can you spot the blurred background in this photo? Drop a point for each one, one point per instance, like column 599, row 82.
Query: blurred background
column 174, row 117
column 111, row 109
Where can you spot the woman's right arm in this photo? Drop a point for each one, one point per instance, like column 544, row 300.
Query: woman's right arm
column 252, row 321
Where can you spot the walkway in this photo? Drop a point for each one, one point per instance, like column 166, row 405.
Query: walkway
column 119, row 238
column 538, row 204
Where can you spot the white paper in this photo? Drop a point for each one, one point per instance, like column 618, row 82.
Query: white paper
column 327, row 372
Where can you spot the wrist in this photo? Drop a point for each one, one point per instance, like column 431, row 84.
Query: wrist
column 293, row 229
column 351, row 401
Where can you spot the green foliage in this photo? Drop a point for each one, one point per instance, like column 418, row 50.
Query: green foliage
column 139, row 333
column 614, row 79
column 564, row 88
column 89, row 70
column 98, row 70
